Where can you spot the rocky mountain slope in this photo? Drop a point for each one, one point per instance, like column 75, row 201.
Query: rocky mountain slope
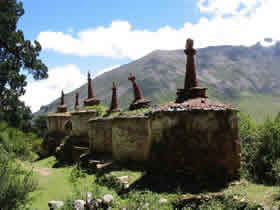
column 232, row 74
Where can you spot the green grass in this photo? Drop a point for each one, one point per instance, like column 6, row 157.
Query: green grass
column 257, row 193
column 57, row 186
column 54, row 184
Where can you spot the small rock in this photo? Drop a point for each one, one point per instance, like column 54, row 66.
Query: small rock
column 55, row 204
column 163, row 200
column 79, row 204
column 108, row 199
column 124, row 179
column 126, row 186
column 93, row 205
column 89, row 197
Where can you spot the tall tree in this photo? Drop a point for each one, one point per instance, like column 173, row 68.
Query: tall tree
column 17, row 55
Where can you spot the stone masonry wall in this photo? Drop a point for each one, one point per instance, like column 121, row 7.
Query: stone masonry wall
column 57, row 121
column 131, row 138
column 198, row 141
column 80, row 122
column 100, row 135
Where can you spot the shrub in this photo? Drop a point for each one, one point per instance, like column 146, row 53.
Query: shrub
column 15, row 183
column 19, row 144
column 260, row 149
column 267, row 157
column 249, row 142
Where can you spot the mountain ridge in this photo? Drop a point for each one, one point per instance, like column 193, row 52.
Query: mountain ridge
column 230, row 73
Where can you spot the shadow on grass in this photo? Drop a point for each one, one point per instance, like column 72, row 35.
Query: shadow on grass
column 161, row 182
column 177, row 183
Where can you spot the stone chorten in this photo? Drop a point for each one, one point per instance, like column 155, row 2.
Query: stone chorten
column 77, row 105
column 114, row 103
column 62, row 107
column 92, row 100
column 139, row 101
column 191, row 89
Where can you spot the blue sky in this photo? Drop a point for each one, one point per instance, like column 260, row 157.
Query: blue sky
column 96, row 35
column 72, row 16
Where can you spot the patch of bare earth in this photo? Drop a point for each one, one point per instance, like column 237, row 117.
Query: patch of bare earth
column 43, row 171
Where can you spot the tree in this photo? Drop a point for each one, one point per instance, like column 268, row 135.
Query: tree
column 17, row 55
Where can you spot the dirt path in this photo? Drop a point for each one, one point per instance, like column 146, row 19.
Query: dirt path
column 44, row 171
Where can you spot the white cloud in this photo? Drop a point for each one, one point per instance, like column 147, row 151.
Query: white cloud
column 224, row 7
column 233, row 22
column 66, row 78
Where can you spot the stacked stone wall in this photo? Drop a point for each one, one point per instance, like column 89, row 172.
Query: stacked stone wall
column 100, row 135
column 198, row 141
column 80, row 122
column 57, row 121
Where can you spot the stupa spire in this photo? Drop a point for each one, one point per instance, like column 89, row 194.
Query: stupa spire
column 92, row 100
column 190, row 75
column 191, row 89
column 62, row 107
column 114, row 103
column 137, row 91
column 139, row 101
column 90, row 89
column 77, row 101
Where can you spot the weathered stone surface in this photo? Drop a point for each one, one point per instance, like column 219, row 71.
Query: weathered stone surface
column 79, row 204
column 108, row 199
column 57, row 121
column 100, row 135
column 80, row 122
column 131, row 138
column 198, row 141
column 163, row 200
column 55, row 204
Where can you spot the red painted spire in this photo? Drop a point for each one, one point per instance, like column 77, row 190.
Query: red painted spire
column 114, row 102
column 92, row 100
column 191, row 89
column 139, row 101
column 62, row 98
column 62, row 107
column 137, row 91
column 190, row 76
column 90, row 89
column 77, row 101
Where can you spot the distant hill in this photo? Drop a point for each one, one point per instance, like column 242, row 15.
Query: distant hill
column 247, row 76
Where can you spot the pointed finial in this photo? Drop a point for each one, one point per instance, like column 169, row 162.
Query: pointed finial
column 189, row 44
column 62, row 98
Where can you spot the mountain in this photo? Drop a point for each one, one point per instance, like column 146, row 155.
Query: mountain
column 246, row 76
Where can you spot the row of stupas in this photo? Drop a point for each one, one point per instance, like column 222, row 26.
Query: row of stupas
column 191, row 89
column 138, row 102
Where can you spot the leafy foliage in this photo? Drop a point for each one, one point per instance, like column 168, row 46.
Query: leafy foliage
column 15, row 183
column 260, row 147
column 19, row 144
column 40, row 125
column 18, row 57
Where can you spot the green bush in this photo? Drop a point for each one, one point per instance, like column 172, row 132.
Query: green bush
column 15, row 183
column 19, row 144
column 260, row 149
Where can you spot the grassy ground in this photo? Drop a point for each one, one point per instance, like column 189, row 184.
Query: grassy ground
column 55, row 184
